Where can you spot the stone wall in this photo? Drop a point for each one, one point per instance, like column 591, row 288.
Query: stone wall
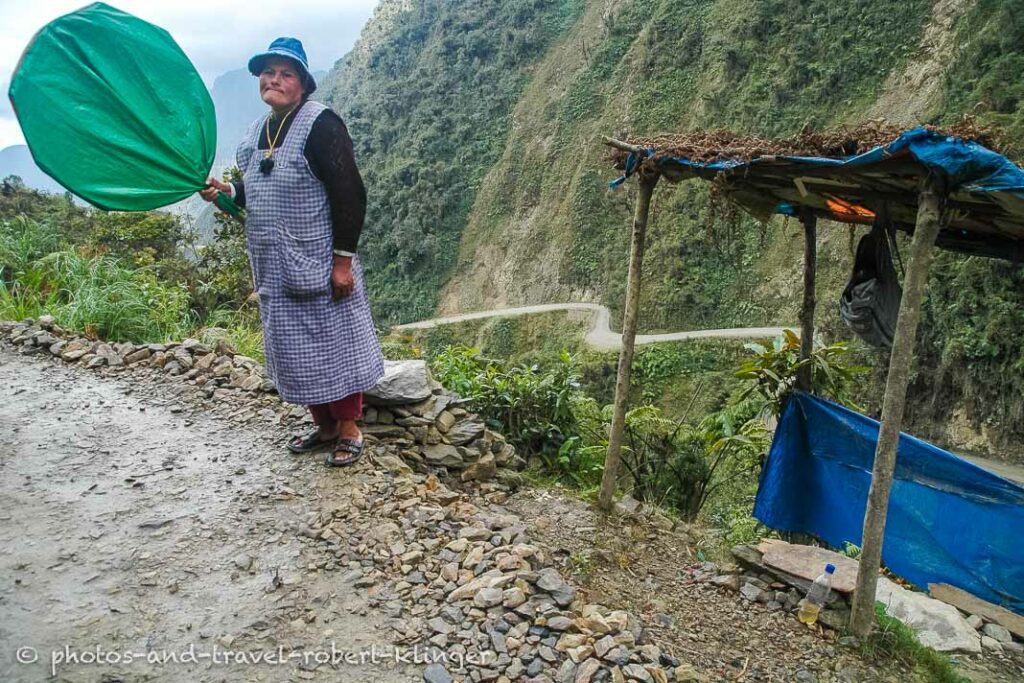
column 411, row 413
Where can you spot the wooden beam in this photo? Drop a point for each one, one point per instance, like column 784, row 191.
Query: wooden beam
column 624, row 146
column 805, row 374
column 613, row 458
column 930, row 218
column 951, row 595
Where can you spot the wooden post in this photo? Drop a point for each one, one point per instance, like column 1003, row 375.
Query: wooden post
column 810, row 223
column 636, row 258
column 930, row 217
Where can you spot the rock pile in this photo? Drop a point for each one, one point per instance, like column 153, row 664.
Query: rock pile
column 454, row 572
column 418, row 419
column 465, row 582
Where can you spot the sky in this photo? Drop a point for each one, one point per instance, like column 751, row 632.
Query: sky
column 217, row 36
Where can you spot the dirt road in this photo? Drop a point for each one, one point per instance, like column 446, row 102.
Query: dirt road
column 127, row 526
column 139, row 519
column 600, row 336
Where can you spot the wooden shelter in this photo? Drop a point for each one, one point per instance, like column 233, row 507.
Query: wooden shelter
column 945, row 188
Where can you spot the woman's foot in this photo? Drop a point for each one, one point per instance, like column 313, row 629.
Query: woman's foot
column 314, row 440
column 348, row 429
column 349, row 447
column 346, row 452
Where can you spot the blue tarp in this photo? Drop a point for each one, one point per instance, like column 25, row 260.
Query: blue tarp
column 949, row 520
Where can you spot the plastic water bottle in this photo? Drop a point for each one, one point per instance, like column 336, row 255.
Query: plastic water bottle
column 811, row 605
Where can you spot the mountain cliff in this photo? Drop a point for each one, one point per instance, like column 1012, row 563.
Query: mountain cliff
column 478, row 124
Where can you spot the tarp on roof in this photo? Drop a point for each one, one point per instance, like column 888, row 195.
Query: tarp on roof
column 949, row 520
column 986, row 189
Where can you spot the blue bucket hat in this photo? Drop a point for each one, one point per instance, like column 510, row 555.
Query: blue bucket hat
column 290, row 48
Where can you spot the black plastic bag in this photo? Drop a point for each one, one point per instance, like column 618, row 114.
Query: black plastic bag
column 870, row 304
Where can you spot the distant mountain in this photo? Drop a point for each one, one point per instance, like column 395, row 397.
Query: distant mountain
column 17, row 160
column 238, row 103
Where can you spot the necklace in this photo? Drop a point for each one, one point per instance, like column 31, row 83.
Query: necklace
column 267, row 163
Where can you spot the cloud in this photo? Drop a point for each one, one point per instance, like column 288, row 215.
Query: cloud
column 217, row 37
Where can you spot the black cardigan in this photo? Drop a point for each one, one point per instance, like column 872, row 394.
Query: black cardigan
column 329, row 152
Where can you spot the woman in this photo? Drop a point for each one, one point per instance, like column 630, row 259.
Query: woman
column 305, row 203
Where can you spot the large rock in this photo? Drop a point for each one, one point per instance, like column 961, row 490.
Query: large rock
column 937, row 625
column 465, row 431
column 997, row 632
column 405, row 381
column 443, row 454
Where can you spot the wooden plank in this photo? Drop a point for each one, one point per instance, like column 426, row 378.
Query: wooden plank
column 1014, row 623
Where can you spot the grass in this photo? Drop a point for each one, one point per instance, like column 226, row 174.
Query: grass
column 99, row 296
column 240, row 327
column 895, row 641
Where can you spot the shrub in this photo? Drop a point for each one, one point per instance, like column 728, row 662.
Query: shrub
column 773, row 371
column 23, row 241
column 98, row 296
column 680, row 465
column 531, row 406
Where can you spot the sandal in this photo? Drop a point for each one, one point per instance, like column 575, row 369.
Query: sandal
column 352, row 449
column 308, row 443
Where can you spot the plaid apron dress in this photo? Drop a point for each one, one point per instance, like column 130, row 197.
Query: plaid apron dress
column 317, row 350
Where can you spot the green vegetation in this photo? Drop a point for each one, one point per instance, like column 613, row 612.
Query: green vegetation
column 532, row 407
column 120, row 276
column 984, row 77
column 967, row 353
column 893, row 641
column 763, row 67
column 774, row 368
column 638, row 69
column 427, row 98
column 692, row 464
column 99, row 296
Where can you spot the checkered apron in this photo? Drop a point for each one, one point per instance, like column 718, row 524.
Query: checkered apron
column 318, row 350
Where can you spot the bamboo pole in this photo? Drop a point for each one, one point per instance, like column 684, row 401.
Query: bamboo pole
column 613, row 457
column 929, row 222
column 805, row 374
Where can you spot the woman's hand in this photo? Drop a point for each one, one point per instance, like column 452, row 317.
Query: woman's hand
column 342, row 280
column 214, row 186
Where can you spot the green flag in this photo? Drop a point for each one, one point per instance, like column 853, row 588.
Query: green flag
column 114, row 111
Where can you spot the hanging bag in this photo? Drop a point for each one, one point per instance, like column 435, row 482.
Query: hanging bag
column 870, row 304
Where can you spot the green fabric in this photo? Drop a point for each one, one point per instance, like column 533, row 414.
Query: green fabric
column 114, row 111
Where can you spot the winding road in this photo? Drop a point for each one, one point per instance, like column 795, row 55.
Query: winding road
column 600, row 336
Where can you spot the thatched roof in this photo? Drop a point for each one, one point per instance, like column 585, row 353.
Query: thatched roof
column 840, row 143
column 848, row 174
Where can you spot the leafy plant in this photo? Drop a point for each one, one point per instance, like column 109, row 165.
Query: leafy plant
column 98, row 295
column 530, row 405
column 850, row 550
column 774, row 367
column 23, row 241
